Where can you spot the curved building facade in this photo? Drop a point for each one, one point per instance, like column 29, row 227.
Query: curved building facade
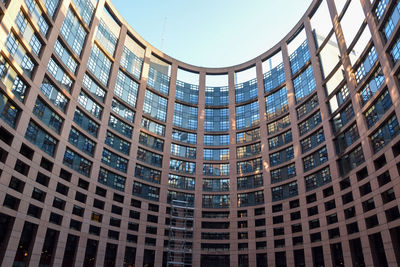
column 115, row 154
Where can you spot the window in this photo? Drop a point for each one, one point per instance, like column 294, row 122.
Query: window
column 304, row 84
column 185, row 117
column 274, row 78
column 86, row 123
column 278, row 125
column 299, row 57
column 106, row 37
column 152, row 142
column 122, row 110
column 114, row 161
column 147, row 174
column 41, row 138
column 77, row 162
column 216, row 120
column 117, row 143
column 247, row 115
column 73, row 32
column 216, row 154
column 149, row 157
column 111, row 179
column 126, row 89
column 81, row 142
column 216, row 96
column 99, row 65
column 318, row 179
column 155, row 106
column 246, row 91
column 54, row 95
column 183, row 151
column 187, row 92
column 276, row 103
column 8, row 111
column 47, row 115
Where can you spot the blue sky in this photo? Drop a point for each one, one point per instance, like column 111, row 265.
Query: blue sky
column 217, row 33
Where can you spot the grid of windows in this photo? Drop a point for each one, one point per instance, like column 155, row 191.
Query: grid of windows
column 346, row 139
column 41, row 138
column 216, row 140
column 395, row 52
column 111, row 179
column 117, row 143
column 280, row 140
column 310, row 123
column 147, row 174
column 11, row 79
column 9, row 112
column 318, row 179
column 283, row 173
column 378, row 109
column 91, row 106
column 284, row 191
column 339, row 98
column 182, row 166
column 216, row 201
column 185, row 117
column 274, row 78
column 366, row 65
column 153, row 127
column 151, row 141
column 65, row 56
column 158, row 81
column 304, row 84
column 247, row 115
column 380, row 8
column 146, row 191
column 180, row 196
column 216, row 154
column 28, row 33
column 86, row 123
column 59, row 75
column 184, row 137
column 249, row 182
column 248, row 151
column 246, row 91
column 126, row 89
column 216, row 120
column 122, row 110
column 19, row 54
column 131, row 62
column 181, row 182
column 217, row 96
column 215, row 185
column 187, row 92
column 77, row 162
column 113, row 160
column 392, row 21
column 47, row 115
column 299, row 57
column 248, row 166
column 385, row 133
column 54, row 95
column 277, row 103
column 351, row 160
column 99, row 65
column 210, row 169
column 51, row 6
column 183, row 151
column 250, row 199
column 278, row 125
column 120, row 126
column 312, row 141
column 342, row 118
column 85, row 8
column 73, row 32
column 37, row 16
column 315, row 159
column 106, row 38
column 98, row 92
column 307, row 107
column 281, row 156
column 80, row 141
column 155, row 106
column 149, row 157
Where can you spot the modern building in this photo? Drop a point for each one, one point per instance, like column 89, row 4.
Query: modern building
column 115, row 154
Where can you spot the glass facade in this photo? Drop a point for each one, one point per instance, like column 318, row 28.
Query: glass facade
column 107, row 143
